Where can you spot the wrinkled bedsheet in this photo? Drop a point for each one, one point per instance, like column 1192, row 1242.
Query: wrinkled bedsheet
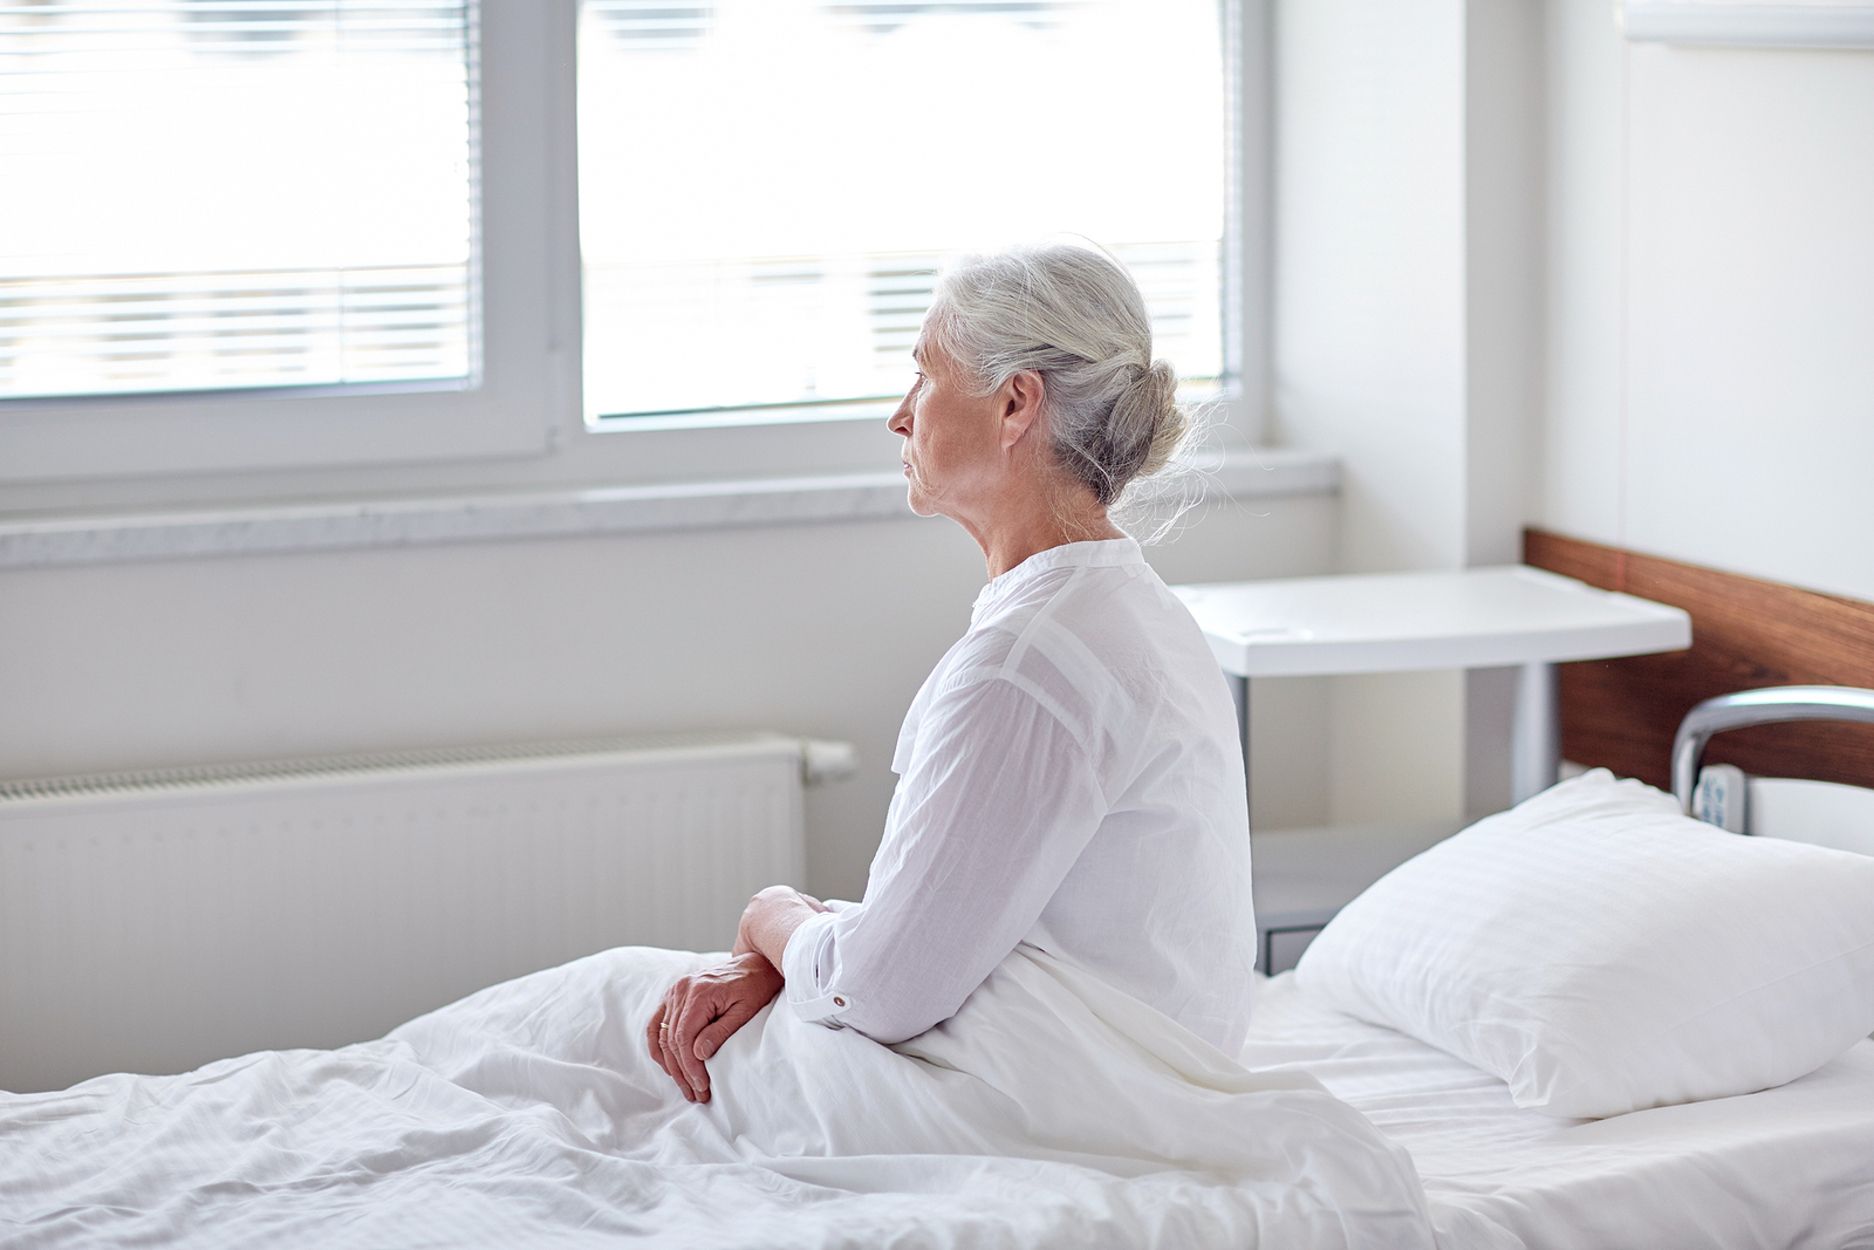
column 1051, row 1111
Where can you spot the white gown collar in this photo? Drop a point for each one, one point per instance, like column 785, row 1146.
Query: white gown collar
column 1094, row 553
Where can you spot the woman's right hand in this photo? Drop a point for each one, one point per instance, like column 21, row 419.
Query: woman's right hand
column 763, row 902
column 702, row 1011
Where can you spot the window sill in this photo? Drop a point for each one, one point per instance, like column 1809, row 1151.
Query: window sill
column 54, row 542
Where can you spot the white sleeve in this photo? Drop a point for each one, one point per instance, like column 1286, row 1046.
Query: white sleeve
column 998, row 801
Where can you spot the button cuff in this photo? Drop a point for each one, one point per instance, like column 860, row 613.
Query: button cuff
column 801, row 962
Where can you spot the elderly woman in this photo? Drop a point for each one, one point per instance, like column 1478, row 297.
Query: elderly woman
column 1069, row 775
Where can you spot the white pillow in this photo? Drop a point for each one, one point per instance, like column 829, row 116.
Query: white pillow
column 1602, row 953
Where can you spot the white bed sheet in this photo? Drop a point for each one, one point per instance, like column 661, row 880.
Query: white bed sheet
column 1791, row 1167
column 1052, row 1111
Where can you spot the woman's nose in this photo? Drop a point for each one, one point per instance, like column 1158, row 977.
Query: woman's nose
column 900, row 422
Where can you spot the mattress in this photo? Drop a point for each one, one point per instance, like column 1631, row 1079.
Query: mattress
column 1792, row 1166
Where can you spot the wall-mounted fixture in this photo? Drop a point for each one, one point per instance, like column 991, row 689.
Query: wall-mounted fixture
column 1720, row 23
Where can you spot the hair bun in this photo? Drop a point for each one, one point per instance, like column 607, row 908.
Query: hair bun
column 1163, row 380
column 1169, row 421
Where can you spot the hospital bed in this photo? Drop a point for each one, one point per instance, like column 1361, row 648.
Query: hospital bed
column 1789, row 1166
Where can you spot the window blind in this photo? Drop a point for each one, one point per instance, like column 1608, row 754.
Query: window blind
column 767, row 187
column 206, row 194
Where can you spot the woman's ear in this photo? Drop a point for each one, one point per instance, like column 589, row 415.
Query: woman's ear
column 1021, row 405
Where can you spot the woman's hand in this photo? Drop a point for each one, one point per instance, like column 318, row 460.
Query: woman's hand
column 771, row 918
column 702, row 1011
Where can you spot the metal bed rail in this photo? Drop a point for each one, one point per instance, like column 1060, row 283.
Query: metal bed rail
column 1767, row 706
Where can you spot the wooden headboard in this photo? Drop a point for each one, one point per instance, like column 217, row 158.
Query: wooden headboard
column 1745, row 633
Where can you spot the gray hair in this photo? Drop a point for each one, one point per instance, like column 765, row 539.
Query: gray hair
column 1074, row 316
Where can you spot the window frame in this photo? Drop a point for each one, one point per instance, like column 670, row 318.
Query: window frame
column 523, row 424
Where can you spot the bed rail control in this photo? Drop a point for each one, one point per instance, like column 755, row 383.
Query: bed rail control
column 1768, row 706
column 1722, row 797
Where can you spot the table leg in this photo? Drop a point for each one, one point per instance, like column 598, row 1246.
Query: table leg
column 1536, row 734
column 1239, row 694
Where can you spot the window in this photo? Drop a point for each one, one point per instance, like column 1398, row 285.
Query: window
column 255, row 235
column 213, row 195
column 791, row 263
column 374, row 247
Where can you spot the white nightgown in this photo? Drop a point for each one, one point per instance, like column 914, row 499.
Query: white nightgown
column 1069, row 777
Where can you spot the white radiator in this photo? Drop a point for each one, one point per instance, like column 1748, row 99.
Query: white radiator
column 152, row 922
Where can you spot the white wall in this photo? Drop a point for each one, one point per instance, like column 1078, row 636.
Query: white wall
column 1406, row 339
column 824, row 630
column 1368, row 304
column 1716, row 404
column 1368, row 312
column 1504, row 96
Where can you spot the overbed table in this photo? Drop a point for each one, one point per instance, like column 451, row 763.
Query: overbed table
column 1509, row 616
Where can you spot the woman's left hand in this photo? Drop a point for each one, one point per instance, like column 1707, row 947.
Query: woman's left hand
column 702, row 1011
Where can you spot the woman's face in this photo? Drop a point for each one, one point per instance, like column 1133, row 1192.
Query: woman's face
column 952, row 453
